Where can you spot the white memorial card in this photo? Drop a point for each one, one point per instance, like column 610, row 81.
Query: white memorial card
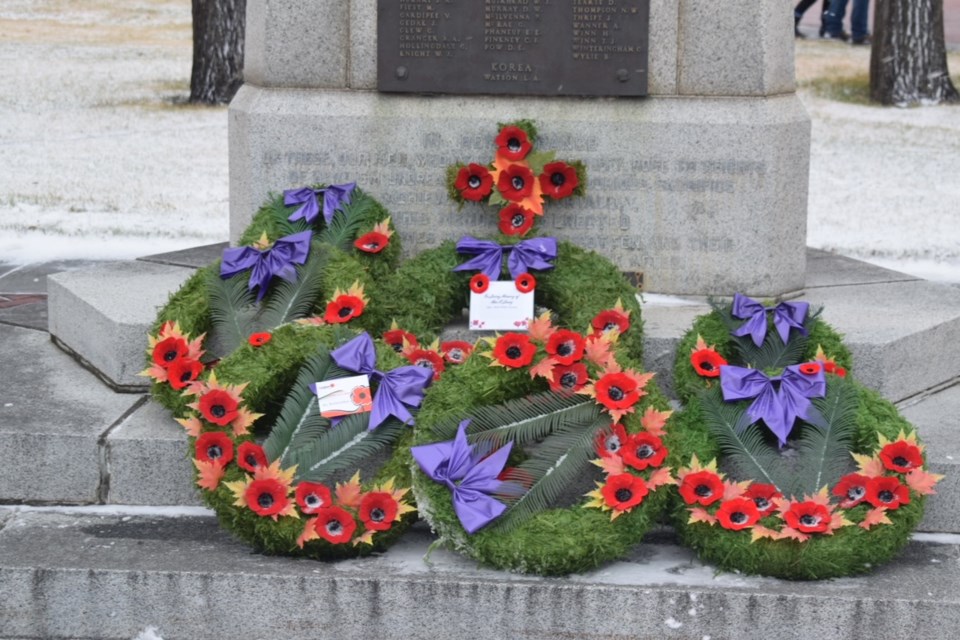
column 343, row 396
column 501, row 308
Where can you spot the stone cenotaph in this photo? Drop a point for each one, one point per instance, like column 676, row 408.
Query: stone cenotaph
column 684, row 112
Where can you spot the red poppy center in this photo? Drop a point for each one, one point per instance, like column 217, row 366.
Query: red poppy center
column 565, row 348
column 616, row 394
column 610, row 326
column 313, row 500
column 474, row 181
column 514, row 144
column 373, row 244
column 514, row 352
column 623, row 495
column 885, row 496
column 425, row 363
column 809, row 520
column 644, row 451
column 218, row 411
column 333, row 527
column 265, row 500
column 170, row 356
column 214, row 451
column 186, row 376
column 703, row 490
column 855, row 493
column 455, row 354
column 738, row 517
column 557, row 179
column 377, row 514
column 706, row 365
column 397, row 346
column 568, row 381
column 344, row 312
column 517, row 183
column 900, row 461
column 517, row 220
column 762, row 503
column 251, row 460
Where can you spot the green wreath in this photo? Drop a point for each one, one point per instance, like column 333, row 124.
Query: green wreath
column 836, row 495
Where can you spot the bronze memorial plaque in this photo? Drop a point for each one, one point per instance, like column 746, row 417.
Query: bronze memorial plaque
column 520, row 47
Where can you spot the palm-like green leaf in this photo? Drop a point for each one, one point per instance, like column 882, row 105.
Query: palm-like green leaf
column 232, row 311
column 345, row 224
column 527, row 420
column 345, row 447
column 824, row 443
column 291, row 300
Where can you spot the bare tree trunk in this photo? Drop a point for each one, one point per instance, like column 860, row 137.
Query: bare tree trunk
column 218, row 27
column 908, row 64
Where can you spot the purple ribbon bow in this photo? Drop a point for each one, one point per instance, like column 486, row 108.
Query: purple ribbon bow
column 777, row 407
column 786, row 315
column 401, row 388
column 471, row 477
column 334, row 196
column 277, row 261
column 524, row 256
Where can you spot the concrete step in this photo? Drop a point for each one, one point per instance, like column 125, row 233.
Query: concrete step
column 111, row 576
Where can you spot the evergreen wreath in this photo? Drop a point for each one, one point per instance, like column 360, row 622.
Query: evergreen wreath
column 818, row 476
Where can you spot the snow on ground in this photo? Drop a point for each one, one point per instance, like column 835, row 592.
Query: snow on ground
column 100, row 158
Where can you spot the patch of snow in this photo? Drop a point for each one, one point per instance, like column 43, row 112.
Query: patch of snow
column 673, row 624
column 150, row 633
column 115, row 510
column 661, row 300
column 937, row 538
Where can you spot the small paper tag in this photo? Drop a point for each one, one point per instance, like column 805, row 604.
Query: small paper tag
column 501, row 308
column 343, row 396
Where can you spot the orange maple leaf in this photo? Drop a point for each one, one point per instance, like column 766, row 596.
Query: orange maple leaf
column 872, row 467
column 759, row 532
column 788, row 533
column 660, row 478
column 653, row 421
column 350, row 493
column 733, row 489
column 612, row 465
column 542, row 328
column 922, row 482
column 599, row 352
column 544, row 369
column 192, row 424
column 875, row 517
column 211, row 473
column 309, row 532
column 699, row 514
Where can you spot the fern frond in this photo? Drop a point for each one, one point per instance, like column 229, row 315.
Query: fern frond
column 232, row 309
column 345, row 224
column 288, row 301
column 825, row 441
column 530, row 419
column 346, row 446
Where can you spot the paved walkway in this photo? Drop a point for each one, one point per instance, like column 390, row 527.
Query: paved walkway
column 951, row 21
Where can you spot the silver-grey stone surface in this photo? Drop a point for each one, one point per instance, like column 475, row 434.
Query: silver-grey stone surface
column 103, row 314
column 111, row 577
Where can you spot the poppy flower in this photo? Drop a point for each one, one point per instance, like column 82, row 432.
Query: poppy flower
column 707, row 362
column 250, row 456
column 183, row 371
column 428, row 359
column 612, row 442
column 168, row 351
column 887, row 491
column 617, row 391
column 851, row 489
column 831, row 367
column 515, row 182
column 624, row 491
column 312, row 497
column 396, row 337
column 361, row 397
column 737, row 514
column 259, row 339
column 335, row 525
column 763, row 496
column 901, row 456
column 809, row 368
column 474, row 182
column 570, row 377
column 267, row 496
column 565, row 346
column 525, row 283
column 456, row 351
column 558, row 180
column 643, row 450
column 479, row 283
column 515, row 220
column 343, row 309
column 219, row 407
column 214, row 446
column 514, row 350
column 512, row 143
column 373, row 242
column 701, row 487
column 378, row 510
column 808, row 517
column 611, row 319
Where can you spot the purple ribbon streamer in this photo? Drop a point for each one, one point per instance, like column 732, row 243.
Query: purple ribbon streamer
column 401, row 388
column 525, row 256
column 777, row 407
column 277, row 261
column 470, row 477
column 334, row 197
column 786, row 315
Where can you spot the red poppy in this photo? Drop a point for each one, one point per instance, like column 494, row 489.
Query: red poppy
column 267, row 496
column 525, row 283
column 611, row 319
column 643, row 450
column 168, row 351
column 428, row 359
column 558, row 180
column 259, row 339
column 701, row 487
column 373, row 242
column 808, row 517
column 571, row 377
column 737, row 514
column 810, row 368
column 479, row 283
column 360, row 396
column 512, row 143
column 514, row 350
column 887, row 491
column 378, row 510
column 456, row 351
column 763, row 495
column 395, row 338
column 901, row 456
column 474, row 182
column 312, row 497
column 613, row 441
column 335, row 525
column 831, row 367
column 617, row 391
column 219, row 407
column 851, row 489
column 565, row 346
column 250, row 456
column 515, row 220
column 184, row 371
column 515, row 182
column 707, row 363
column 344, row 309
column 624, row 491
column 214, row 446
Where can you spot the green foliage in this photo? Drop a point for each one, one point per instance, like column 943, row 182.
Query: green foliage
column 347, row 446
column 289, row 301
column 824, row 449
column 232, row 313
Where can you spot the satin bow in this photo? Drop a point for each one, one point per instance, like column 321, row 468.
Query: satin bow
column 401, row 388
column 777, row 407
column 334, row 197
column 786, row 315
column 470, row 476
column 277, row 261
column 524, row 256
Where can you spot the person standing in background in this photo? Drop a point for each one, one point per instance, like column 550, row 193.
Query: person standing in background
column 801, row 9
column 833, row 21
